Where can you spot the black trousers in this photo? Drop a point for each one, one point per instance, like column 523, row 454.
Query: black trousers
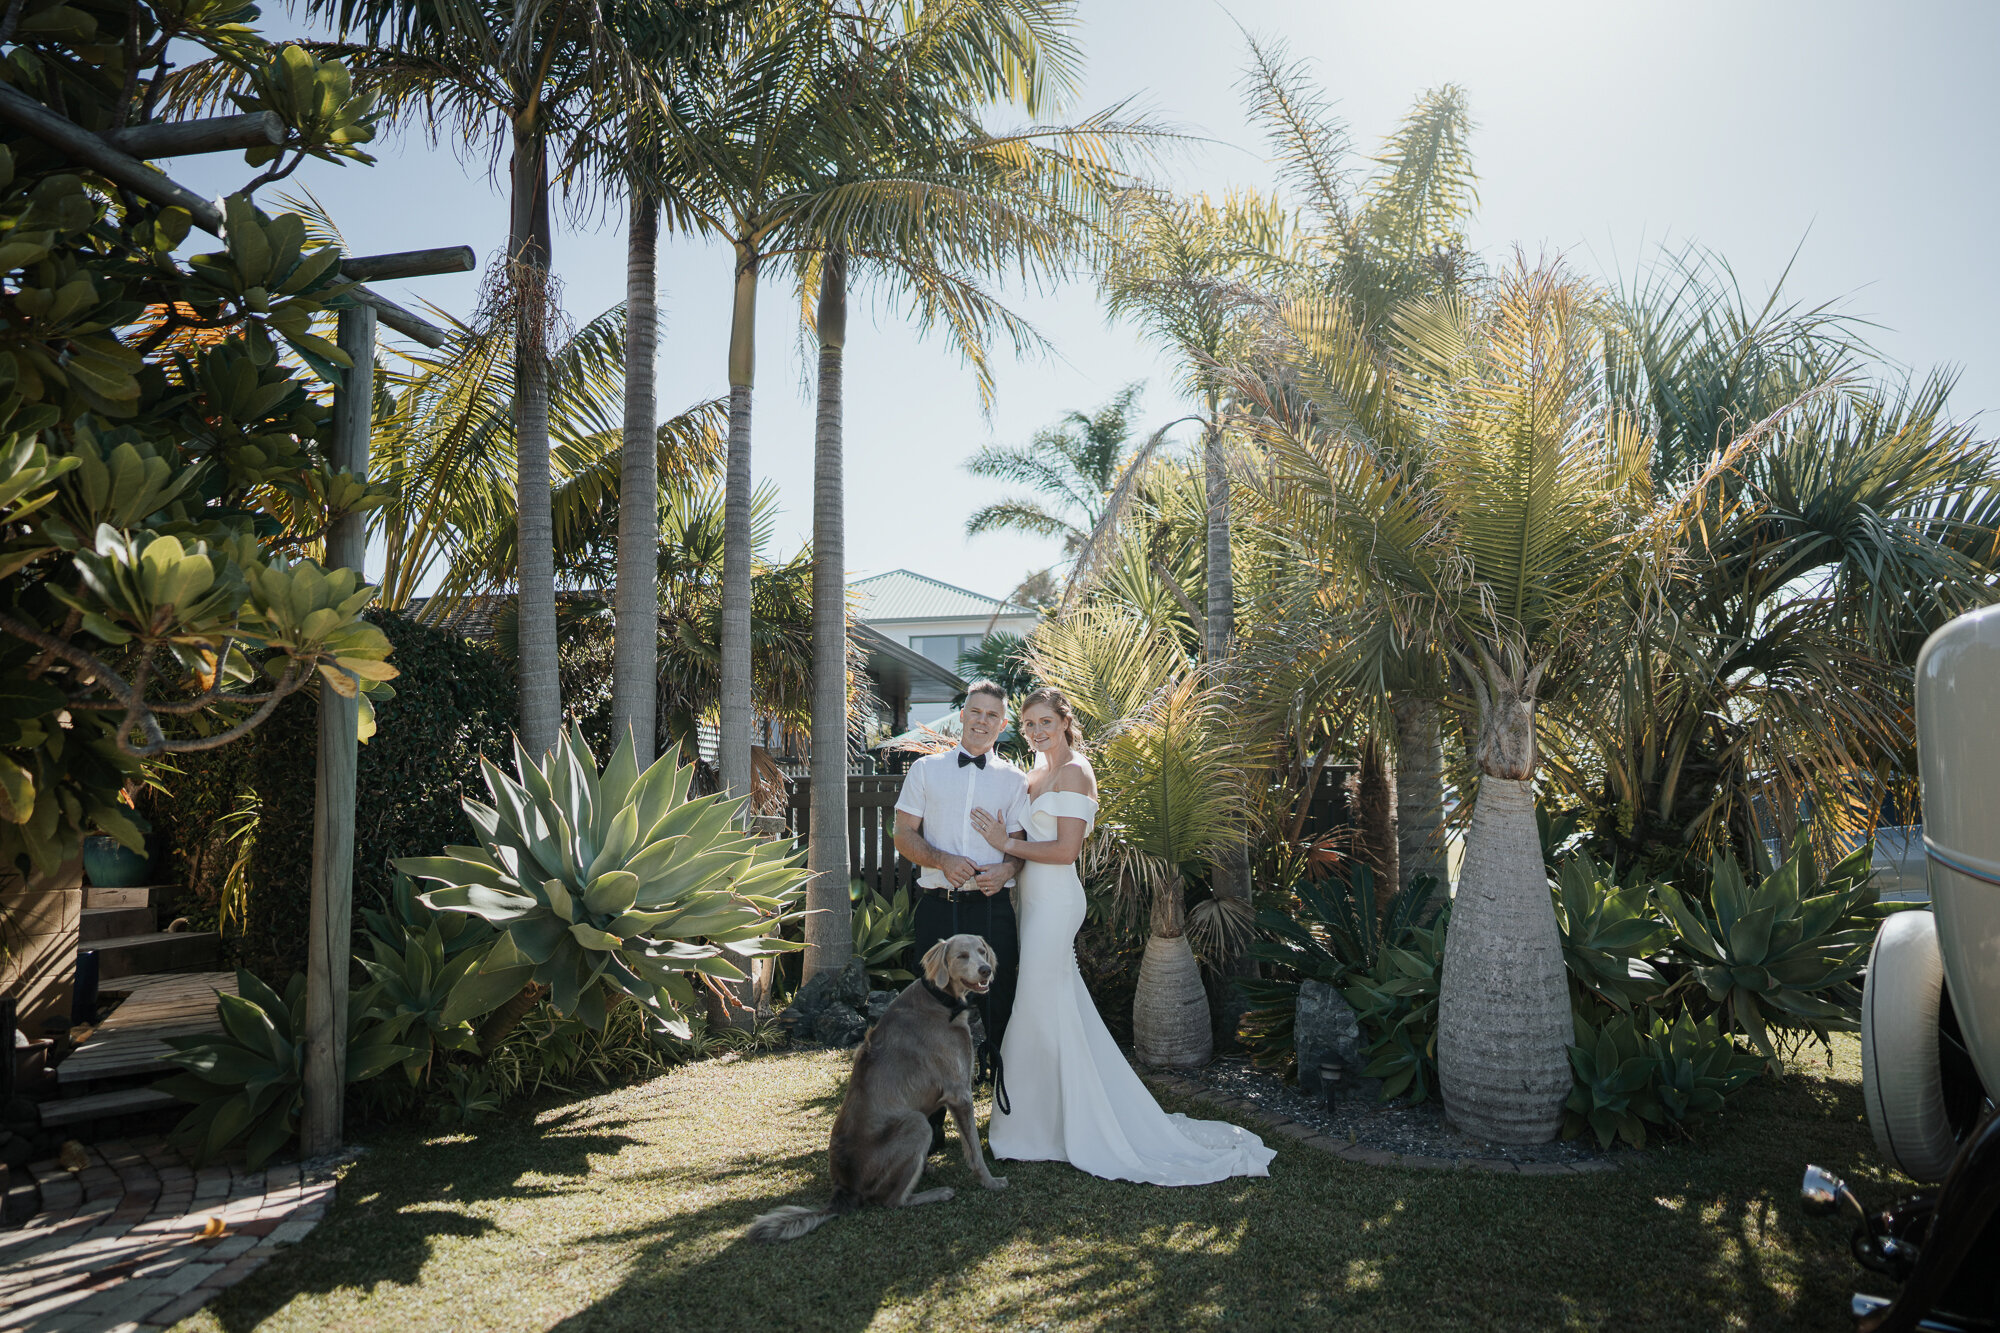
column 991, row 917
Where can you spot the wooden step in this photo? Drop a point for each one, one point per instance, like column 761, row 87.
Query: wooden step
column 140, row 897
column 157, row 951
column 95, row 924
column 101, row 1105
column 131, row 1040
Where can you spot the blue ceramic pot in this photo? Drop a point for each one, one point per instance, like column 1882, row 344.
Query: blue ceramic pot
column 110, row 864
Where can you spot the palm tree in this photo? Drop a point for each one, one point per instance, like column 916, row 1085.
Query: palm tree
column 1073, row 464
column 1397, row 237
column 1171, row 783
column 916, row 193
column 523, row 76
column 1504, row 538
column 1758, row 691
column 1180, row 272
column 443, row 439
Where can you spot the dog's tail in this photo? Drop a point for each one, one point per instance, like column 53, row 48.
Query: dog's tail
column 793, row 1221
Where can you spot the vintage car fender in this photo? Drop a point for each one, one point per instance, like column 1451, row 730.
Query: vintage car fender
column 1958, row 758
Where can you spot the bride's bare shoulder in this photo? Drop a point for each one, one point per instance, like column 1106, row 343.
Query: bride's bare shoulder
column 1077, row 776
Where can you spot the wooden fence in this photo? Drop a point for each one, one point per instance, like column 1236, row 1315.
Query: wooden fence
column 871, row 830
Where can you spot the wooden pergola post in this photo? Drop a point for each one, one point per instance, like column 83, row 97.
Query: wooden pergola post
column 330, row 945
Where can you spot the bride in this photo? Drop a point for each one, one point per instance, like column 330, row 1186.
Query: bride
column 1071, row 1096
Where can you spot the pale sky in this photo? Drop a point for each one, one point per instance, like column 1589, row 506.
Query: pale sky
column 1860, row 136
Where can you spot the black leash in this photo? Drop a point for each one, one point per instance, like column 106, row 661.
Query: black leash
column 990, row 1047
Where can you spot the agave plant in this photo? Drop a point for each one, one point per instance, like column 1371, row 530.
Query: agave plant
column 1397, row 1003
column 1631, row 1073
column 607, row 884
column 884, row 930
column 1613, row 1092
column 248, row 1081
column 1786, row 953
column 1608, row 932
column 426, row 990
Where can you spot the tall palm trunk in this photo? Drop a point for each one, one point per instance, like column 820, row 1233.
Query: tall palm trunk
column 1375, row 820
column 1232, row 867
column 1420, row 844
column 636, row 601
column 528, row 276
column 734, row 756
column 830, row 931
column 1503, row 1003
column 1169, row 1007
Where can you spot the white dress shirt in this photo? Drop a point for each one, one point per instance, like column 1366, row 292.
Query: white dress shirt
column 944, row 793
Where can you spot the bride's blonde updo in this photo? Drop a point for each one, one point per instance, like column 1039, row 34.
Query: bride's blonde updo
column 1052, row 698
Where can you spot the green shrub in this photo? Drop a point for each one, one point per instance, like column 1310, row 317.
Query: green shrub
column 454, row 703
column 1336, row 932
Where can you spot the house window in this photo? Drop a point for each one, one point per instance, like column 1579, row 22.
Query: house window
column 945, row 648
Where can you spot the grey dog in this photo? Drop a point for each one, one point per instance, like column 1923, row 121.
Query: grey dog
column 917, row 1058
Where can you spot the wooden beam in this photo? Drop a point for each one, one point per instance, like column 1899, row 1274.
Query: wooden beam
column 330, row 931
column 86, row 149
column 401, row 320
column 185, row 138
column 409, row 264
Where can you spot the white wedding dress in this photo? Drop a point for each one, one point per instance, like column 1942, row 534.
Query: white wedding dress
column 1072, row 1096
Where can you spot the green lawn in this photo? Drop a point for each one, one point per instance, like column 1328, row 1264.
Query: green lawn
column 627, row 1209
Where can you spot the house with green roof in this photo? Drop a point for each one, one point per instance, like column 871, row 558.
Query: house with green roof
column 913, row 629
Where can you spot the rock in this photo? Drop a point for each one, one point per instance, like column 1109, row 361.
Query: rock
column 878, row 1004
column 851, row 987
column 812, row 997
column 1324, row 1028
column 837, row 1025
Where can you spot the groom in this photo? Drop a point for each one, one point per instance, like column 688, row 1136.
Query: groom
column 962, row 887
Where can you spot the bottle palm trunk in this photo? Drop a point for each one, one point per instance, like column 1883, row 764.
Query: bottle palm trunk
column 1503, row 1002
column 636, row 600
column 1420, row 841
column 1170, row 1024
column 829, row 930
column 528, row 276
column 733, row 758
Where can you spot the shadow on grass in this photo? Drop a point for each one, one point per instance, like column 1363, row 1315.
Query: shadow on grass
column 382, row 1234
column 1692, row 1236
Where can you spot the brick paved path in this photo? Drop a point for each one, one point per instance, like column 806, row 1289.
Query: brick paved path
column 119, row 1247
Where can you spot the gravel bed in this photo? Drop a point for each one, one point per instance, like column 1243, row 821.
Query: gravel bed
column 1394, row 1126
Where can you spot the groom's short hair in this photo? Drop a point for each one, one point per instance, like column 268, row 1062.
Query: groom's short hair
column 984, row 686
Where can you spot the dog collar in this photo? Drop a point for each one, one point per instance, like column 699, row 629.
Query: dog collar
column 956, row 1004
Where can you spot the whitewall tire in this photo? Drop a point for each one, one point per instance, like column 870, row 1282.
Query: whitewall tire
column 1902, row 1078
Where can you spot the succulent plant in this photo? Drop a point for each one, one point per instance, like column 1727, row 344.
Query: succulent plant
column 248, row 1081
column 1786, row 953
column 611, row 882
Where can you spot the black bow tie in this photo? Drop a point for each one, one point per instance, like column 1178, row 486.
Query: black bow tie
column 976, row 760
